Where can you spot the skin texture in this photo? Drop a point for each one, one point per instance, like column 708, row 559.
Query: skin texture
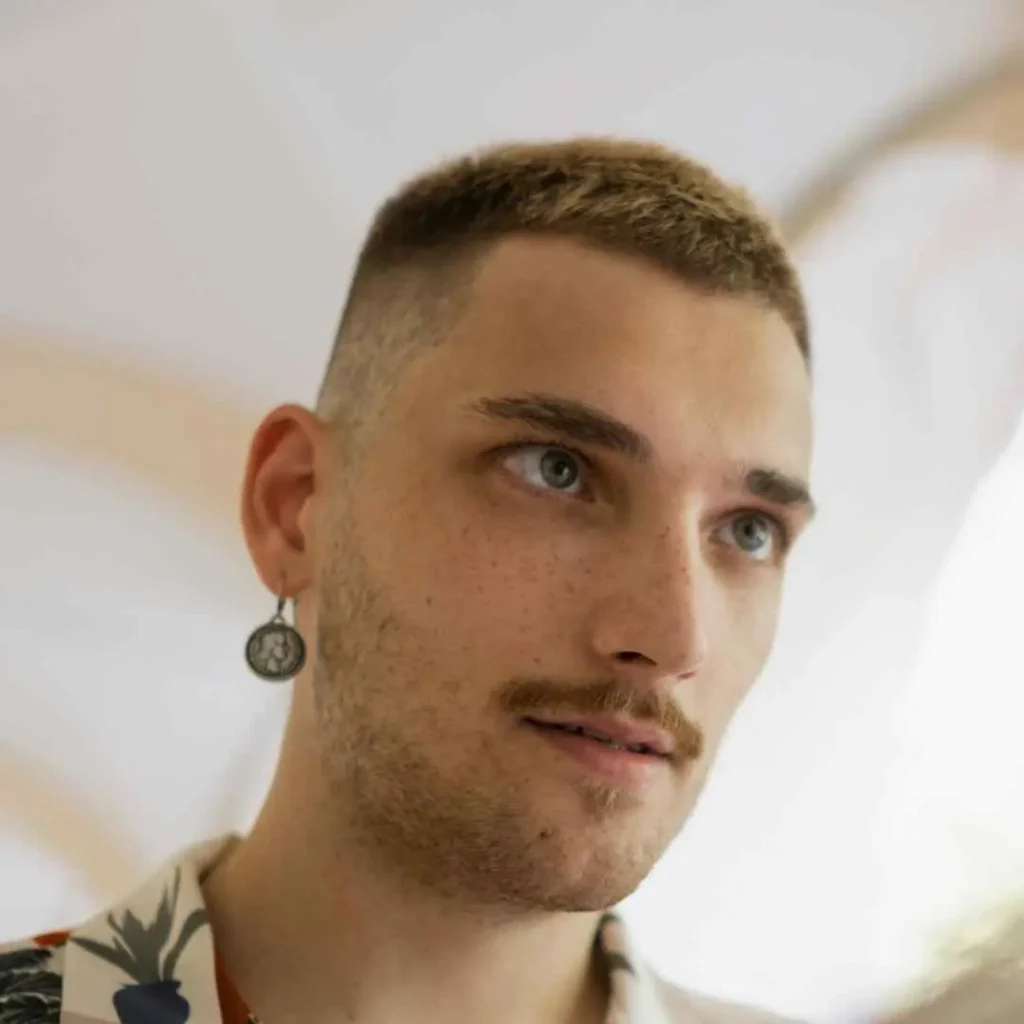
column 419, row 839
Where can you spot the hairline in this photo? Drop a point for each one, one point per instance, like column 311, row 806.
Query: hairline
column 458, row 264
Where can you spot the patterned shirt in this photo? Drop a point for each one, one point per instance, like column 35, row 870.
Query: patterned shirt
column 151, row 960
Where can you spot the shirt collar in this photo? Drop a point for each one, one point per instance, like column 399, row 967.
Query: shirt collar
column 633, row 993
column 152, row 956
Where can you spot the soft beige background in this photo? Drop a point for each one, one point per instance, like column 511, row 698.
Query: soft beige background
column 182, row 189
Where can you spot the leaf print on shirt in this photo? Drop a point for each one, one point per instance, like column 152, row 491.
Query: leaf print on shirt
column 138, row 950
column 29, row 990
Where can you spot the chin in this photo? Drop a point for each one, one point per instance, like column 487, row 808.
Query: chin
column 588, row 895
column 591, row 870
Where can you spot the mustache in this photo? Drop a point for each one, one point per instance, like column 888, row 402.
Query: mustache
column 605, row 697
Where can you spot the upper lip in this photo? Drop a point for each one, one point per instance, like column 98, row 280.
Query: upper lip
column 618, row 729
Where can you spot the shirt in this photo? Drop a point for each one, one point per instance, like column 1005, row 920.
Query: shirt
column 151, row 959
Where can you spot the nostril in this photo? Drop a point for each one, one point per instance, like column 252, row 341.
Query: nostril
column 630, row 656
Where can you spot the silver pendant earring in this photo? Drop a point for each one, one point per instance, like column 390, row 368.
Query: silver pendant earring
column 276, row 651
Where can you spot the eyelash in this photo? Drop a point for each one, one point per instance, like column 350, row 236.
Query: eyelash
column 781, row 529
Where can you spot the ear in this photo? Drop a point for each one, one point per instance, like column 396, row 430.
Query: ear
column 278, row 494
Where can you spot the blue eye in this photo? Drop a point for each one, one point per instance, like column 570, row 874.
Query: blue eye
column 555, row 469
column 756, row 534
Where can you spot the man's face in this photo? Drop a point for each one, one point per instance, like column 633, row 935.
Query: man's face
column 498, row 562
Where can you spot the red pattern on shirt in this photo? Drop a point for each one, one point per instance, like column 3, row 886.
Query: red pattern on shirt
column 232, row 1007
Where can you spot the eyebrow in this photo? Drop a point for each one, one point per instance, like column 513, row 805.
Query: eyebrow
column 587, row 425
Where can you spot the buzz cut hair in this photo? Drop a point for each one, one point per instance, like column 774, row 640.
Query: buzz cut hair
column 417, row 264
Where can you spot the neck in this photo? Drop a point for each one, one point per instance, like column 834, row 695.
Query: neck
column 310, row 930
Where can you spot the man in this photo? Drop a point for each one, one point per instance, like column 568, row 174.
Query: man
column 536, row 533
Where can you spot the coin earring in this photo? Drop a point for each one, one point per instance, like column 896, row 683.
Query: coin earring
column 276, row 651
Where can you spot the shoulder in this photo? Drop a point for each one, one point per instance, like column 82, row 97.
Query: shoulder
column 682, row 1006
column 31, row 980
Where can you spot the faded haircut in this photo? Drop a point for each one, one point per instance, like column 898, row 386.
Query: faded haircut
column 417, row 265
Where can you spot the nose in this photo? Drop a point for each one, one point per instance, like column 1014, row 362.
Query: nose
column 651, row 622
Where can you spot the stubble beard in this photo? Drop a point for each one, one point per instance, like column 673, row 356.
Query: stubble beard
column 464, row 835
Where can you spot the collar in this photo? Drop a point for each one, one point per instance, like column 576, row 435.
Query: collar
column 151, row 957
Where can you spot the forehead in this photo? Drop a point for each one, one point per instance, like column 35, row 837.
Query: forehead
column 704, row 377
column 708, row 380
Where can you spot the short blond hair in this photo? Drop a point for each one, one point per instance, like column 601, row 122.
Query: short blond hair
column 631, row 197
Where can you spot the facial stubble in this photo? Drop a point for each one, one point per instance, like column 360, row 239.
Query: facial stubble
column 443, row 812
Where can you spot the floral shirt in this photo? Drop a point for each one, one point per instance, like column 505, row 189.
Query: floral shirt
column 151, row 960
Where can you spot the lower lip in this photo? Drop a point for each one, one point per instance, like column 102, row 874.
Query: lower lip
column 617, row 767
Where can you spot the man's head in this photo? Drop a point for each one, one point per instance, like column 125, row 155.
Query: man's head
column 554, row 473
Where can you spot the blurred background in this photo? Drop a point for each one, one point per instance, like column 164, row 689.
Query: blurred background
column 183, row 188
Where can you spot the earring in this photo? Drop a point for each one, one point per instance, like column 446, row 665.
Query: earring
column 276, row 651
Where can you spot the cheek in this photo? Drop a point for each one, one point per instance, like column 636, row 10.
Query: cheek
column 764, row 624
column 495, row 587
column 444, row 569
column 745, row 633
column 484, row 582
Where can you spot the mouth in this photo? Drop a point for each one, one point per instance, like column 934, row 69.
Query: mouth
column 608, row 755
column 614, row 735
